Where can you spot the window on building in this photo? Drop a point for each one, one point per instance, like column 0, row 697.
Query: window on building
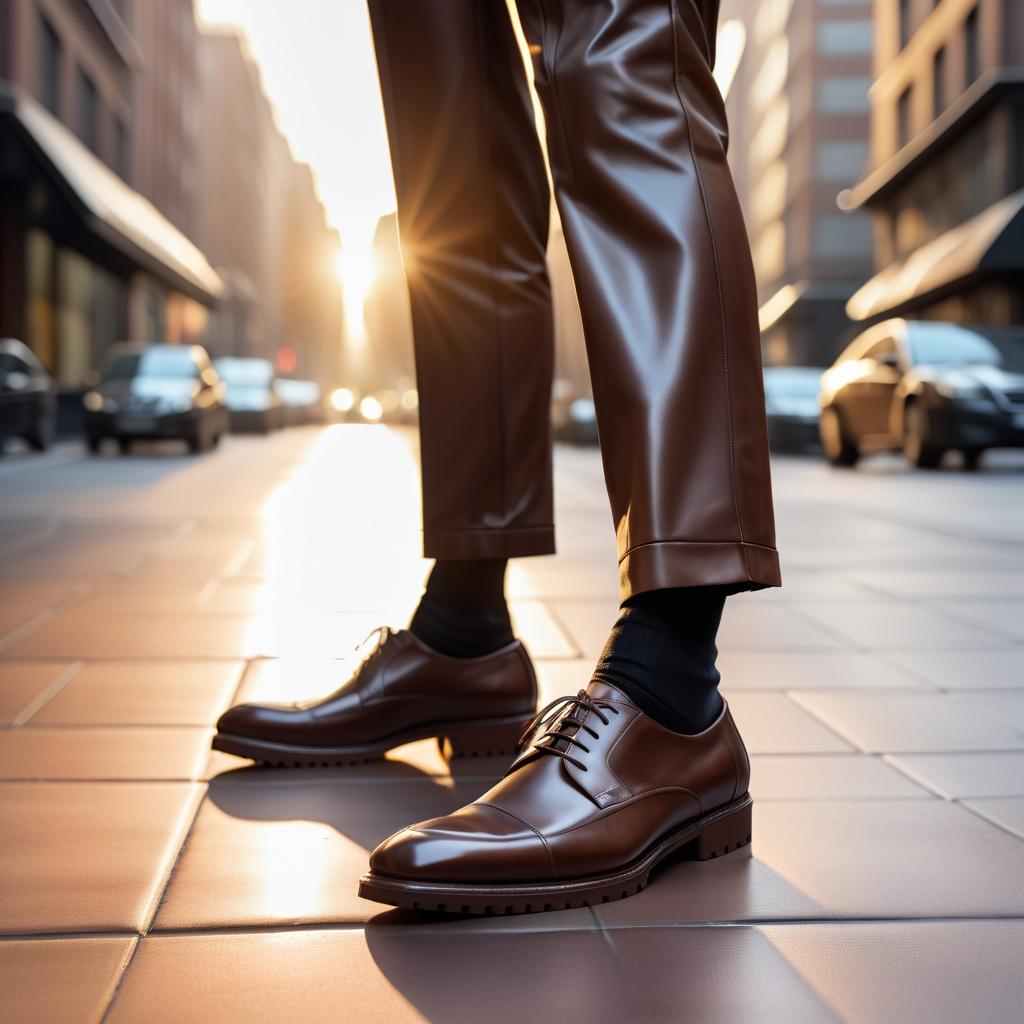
column 972, row 49
column 50, row 64
column 844, row 94
column 904, row 16
column 843, row 236
column 840, row 162
column 939, row 81
column 904, row 127
column 846, row 38
column 88, row 111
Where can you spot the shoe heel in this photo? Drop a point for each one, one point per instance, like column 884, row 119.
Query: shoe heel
column 725, row 835
column 482, row 739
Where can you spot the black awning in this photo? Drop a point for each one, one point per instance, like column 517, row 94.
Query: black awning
column 989, row 244
column 109, row 207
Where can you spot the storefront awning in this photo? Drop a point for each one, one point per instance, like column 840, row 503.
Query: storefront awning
column 990, row 243
column 113, row 210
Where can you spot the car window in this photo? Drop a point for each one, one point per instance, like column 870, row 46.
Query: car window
column 122, row 367
column 246, row 372
column 952, row 344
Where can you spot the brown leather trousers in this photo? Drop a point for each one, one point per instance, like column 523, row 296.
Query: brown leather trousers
column 637, row 138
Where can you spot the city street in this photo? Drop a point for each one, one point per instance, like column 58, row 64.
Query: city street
column 881, row 694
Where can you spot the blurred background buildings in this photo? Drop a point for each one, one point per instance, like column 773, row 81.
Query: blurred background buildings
column 946, row 176
column 147, row 194
column 798, row 116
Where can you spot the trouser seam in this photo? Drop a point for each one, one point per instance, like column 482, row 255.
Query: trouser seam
column 487, row 143
column 673, row 17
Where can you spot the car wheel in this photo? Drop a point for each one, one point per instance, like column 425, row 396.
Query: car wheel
column 42, row 437
column 972, row 458
column 916, row 448
column 839, row 449
column 124, row 445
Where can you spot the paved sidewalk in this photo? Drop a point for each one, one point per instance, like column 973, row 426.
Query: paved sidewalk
column 881, row 693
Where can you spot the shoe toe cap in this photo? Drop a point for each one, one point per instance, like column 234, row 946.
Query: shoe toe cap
column 260, row 720
column 476, row 844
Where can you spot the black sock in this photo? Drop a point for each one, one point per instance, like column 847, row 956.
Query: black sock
column 462, row 612
column 661, row 654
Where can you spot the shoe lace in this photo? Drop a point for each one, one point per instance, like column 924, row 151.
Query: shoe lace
column 567, row 707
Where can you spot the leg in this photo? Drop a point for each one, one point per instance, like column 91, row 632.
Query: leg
column 647, row 761
column 637, row 143
column 473, row 206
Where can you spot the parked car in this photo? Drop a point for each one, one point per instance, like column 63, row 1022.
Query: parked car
column 301, row 401
column 926, row 388
column 253, row 403
column 156, row 391
column 791, row 403
column 28, row 403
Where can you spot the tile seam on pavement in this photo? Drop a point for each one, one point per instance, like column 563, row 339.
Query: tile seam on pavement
column 41, row 699
column 179, row 839
column 452, row 927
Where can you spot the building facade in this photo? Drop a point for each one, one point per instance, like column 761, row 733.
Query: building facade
column 796, row 74
column 260, row 222
column 946, row 176
column 85, row 260
column 164, row 164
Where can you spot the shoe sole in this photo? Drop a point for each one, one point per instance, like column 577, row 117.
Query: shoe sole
column 482, row 737
column 714, row 835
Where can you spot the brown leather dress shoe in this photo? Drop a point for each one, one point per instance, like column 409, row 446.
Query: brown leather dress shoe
column 400, row 692
column 598, row 796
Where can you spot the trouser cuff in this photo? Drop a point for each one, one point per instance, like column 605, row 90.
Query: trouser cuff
column 664, row 564
column 497, row 543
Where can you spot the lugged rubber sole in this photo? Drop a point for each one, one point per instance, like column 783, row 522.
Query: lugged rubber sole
column 482, row 737
column 716, row 834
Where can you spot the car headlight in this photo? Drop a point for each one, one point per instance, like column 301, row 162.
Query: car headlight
column 95, row 402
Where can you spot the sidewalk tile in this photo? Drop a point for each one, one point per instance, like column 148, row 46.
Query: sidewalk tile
column 143, row 693
column 387, row 974
column 1002, row 668
column 893, row 625
column 940, row 583
column 899, row 972
column 842, row 860
column 1003, row 616
column 811, row 670
column 772, row 724
column 956, row 776
column 86, row 856
column 828, row 777
column 22, row 681
column 1007, row 705
column 102, row 754
column 893, row 723
column 44, row 980
column 534, row 625
column 1006, row 812
column 710, row 974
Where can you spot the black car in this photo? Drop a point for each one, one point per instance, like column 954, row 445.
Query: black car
column 252, row 401
column 155, row 392
column 27, row 396
column 926, row 388
column 791, row 405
